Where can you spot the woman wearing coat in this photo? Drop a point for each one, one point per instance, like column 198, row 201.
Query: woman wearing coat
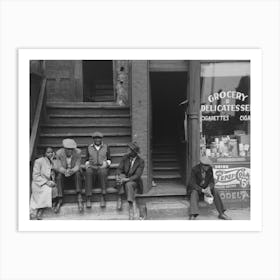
column 43, row 185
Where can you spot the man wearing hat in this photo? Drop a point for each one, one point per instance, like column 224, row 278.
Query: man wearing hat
column 202, row 182
column 128, row 177
column 98, row 161
column 68, row 161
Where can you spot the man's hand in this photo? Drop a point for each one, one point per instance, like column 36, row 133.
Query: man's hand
column 124, row 180
column 51, row 184
column 69, row 172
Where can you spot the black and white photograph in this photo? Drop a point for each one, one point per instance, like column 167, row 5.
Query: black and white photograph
column 138, row 140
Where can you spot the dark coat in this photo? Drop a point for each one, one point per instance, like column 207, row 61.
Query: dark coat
column 195, row 182
column 135, row 173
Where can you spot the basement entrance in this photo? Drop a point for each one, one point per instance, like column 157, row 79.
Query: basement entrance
column 168, row 90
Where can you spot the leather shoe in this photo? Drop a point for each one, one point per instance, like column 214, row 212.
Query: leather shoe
column 102, row 201
column 58, row 205
column 224, row 217
column 119, row 204
column 39, row 214
column 80, row 206
column 130, row 213
column 192, row 217
column 88, row 203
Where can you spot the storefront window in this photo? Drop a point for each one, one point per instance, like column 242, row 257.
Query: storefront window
column 225, row 124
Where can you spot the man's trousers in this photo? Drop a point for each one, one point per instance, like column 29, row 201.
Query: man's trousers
column 130, row 188
column 194, row 209
column 74, row 179
column 97, row 178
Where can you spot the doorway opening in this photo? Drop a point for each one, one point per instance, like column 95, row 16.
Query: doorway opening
column 168, row 90
column 98, row 81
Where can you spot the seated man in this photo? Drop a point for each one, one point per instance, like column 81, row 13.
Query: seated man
column 98, row 161
column 202, row 182
column 68, row 161
column 128, row 177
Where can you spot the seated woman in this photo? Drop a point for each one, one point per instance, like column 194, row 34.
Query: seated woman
column 43, row 185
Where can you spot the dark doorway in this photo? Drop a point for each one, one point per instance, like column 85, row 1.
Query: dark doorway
column 168, row 90
column 98, row 81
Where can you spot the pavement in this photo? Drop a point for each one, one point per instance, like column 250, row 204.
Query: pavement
column 167, row 210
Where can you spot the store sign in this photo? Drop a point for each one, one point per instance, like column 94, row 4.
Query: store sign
column 233, row 195
column 224, row 102
column 232, row 182
column 232, row 176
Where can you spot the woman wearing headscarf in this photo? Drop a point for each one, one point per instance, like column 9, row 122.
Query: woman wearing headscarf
column 43, row 185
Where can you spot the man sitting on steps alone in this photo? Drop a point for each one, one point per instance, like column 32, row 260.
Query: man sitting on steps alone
column 202, row 183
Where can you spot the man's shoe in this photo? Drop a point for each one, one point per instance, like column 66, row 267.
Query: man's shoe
column 39, row 214
column 224, row 217
column 80, row 206
column 135, row 211
column 88, row 203
column 57, row 207
column 102, row 201
column 119, row 204
column 192, row 217
column 130, row 213
column 33, row 216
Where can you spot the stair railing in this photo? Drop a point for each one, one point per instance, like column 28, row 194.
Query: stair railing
column 37, row 119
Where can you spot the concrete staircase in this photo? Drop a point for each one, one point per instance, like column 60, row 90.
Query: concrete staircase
column 79, row 121
column 166, row 165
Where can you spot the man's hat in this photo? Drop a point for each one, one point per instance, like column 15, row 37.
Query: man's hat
column 205, row 160
column 134, row 147
column 97, row 134
column 69, row 144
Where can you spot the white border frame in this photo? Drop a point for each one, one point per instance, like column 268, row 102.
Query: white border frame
column 254, row 55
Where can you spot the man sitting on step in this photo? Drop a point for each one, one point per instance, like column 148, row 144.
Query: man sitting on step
column 98, row 161
column 128, row 178
column 202, row 183
column 68, row 161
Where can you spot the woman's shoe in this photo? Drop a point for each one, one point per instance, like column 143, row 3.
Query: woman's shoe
column 40, row 214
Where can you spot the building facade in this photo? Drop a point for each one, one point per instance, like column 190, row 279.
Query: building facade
column 175, row 110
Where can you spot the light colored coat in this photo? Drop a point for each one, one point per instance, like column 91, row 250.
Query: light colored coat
column 42, row 194
column 61, row 163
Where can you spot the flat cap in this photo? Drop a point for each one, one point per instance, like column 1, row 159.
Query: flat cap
column 205, row 160
column 69, row 144
column 97, row 134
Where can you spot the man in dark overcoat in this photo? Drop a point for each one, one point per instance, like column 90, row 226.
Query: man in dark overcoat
column 128, row 178
column 202, row 183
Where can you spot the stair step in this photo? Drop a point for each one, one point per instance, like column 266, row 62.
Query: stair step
column 59, row 128
column 165, row 168
column 89, row 116
column 173, row 210
column 70, row 211
column 165, row 159
column 114, row 148
column 85, row 108
column 75, row 105
column 84, row 138
column 167, row 176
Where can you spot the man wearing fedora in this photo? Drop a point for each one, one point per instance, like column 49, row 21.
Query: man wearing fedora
column 98, row 161
column 202, row 183
column 128, row 178
column 68, row 161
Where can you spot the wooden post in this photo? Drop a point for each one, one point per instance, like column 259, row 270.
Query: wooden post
column 140, row 114
column 193, row 115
